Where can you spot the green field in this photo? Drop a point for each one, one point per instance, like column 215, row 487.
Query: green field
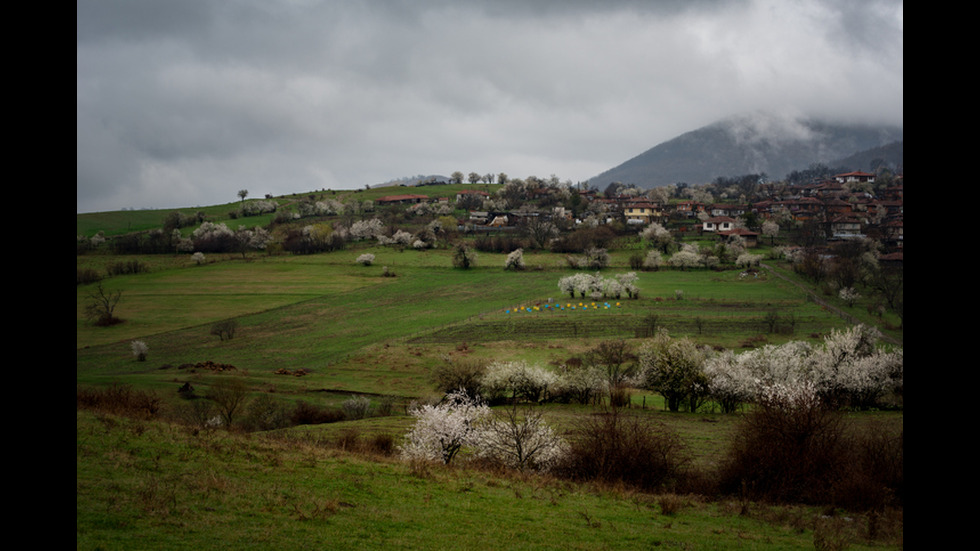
column 351, row 330
column 324, row 313
column 154, row 486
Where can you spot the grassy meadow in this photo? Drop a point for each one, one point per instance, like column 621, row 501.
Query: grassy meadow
column 321, row 328
column 345, row 322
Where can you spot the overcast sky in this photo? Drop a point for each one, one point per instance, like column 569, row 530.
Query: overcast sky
column 182, row 103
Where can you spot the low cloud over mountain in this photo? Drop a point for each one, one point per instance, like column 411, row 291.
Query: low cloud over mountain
column 753, row 144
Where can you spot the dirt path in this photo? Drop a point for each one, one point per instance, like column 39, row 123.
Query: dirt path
column 816, row 298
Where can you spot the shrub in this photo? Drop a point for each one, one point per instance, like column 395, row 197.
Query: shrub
column 789, row 449
column 356, row 407
column 615, row 447
column 874, row 478
column 140, row 349
column 225, row 329
column 596, row 258
column 118, row 399
column 383, row 444
column 348, row 439
column 265, row 413
column 310, row 414
column 582, row 239
column 498, row 244
column 670, row 504
column 463, row 257
column 127, row 267
column 636, row 261
column 386, row 407
column 86, row 275
column 365, row 259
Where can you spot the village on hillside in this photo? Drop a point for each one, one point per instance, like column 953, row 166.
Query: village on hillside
column 846, row 206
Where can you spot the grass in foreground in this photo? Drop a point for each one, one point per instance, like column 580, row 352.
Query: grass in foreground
column 153, row 485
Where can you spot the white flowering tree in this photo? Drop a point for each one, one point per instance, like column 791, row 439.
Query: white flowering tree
column 628, row 281
column 515, row 260
column 441, row 431
column 365, row 259
column 748, row 260
column 584, row 384
column 729, row 382
column 580, row 284
column 211, row 237
column 595, row 286
column 140, row 350
column 519, row 439
column 770, row 229
column 658, row 236
column 849, row 295
column 400, row 237
column 851, row 369
column 366, row 229
column 611, row 288
column 653, row 260
column 463, row 256
column 519, row 379
column 255, row 208
column 673, row 368
column 848, row 369
column 247, row 239
column 684, row 259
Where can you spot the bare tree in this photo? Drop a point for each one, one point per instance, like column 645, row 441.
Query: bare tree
column 230, row 395
column 616, row 357
column 102, row 306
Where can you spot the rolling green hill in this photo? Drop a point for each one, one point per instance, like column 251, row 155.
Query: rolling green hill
column 314, row 330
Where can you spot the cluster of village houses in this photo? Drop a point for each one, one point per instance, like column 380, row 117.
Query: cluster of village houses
column 830, row 202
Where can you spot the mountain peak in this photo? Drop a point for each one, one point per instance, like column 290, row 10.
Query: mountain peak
column 749, row 143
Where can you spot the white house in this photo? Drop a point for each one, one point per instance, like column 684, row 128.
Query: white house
column 719, row 223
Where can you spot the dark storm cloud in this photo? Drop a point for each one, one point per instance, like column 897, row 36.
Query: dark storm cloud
column 184, row 102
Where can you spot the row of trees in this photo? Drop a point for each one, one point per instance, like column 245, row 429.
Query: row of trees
column 596, row 286
column 792, row 447
column 848, row 369
column 854, row 266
